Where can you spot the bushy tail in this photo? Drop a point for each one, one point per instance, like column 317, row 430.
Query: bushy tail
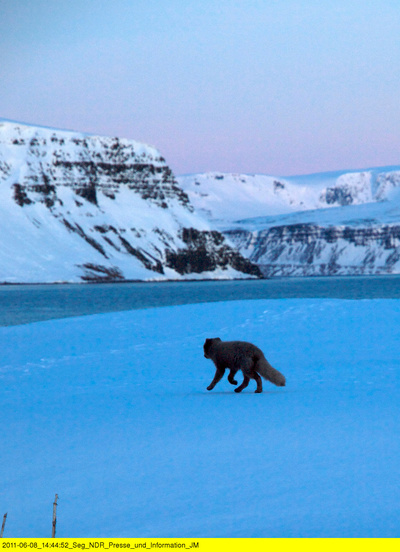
column 265, row 370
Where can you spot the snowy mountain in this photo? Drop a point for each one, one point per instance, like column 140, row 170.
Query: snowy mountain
column 236, row 196
column 76, row 207
column 322, row 224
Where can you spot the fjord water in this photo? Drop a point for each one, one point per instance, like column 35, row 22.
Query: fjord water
column 21, row 304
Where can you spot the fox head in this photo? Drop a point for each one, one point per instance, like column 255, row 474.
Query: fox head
column 208, row 344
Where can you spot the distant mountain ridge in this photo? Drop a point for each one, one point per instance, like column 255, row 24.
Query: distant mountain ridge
column 76, row 207
column 81, row 208
column 338, row 223
column 237, row 196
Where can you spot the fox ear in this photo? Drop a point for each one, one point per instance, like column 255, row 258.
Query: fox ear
column 209, row 341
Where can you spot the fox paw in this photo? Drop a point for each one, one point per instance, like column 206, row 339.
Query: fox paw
column 237, row 390
column 210, row 387
column 233, row 382
column 258, row 391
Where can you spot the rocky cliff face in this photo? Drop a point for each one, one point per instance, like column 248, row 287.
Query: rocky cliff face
column 311, row 250
column 88, row 165
column 86, row 208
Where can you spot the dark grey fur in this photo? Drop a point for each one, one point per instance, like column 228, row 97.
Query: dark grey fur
column 240, row 355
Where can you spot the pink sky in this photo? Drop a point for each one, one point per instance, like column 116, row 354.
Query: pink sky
column 281, row 87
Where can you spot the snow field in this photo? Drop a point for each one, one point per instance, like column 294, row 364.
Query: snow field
column 111, row 412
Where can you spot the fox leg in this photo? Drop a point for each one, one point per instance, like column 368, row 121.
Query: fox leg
column 243, row 385
column 218, row 376
column 231, row 377
column 255, row 376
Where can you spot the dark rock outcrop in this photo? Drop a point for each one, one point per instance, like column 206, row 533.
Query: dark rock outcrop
column 206, row 251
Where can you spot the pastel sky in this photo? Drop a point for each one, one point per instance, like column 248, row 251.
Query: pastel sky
column 279, row 87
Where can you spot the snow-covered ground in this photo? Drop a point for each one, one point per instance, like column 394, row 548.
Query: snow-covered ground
column 111, row 412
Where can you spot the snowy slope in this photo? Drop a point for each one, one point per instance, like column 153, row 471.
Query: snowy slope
column 229, row 197
column 112, row 413
column 75, row 207
column 322, row 224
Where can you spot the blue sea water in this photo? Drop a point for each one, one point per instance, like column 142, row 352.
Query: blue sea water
column 21, row 304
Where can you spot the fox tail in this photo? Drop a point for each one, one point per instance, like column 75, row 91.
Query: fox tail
column 265, row 370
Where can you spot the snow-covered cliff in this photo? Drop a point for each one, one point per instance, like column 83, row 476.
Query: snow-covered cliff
column 76, row 207
column 322, row 224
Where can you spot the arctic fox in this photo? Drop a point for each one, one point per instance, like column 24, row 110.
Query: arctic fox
column 240, row 355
